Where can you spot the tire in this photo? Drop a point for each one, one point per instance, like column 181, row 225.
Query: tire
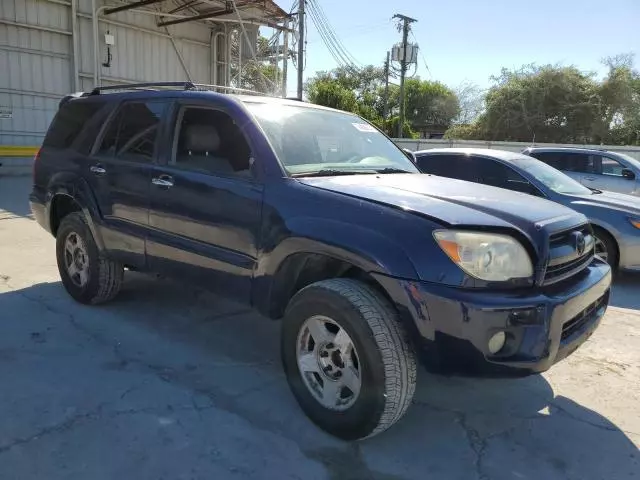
column 605, row 241
column 102, row 276
column 386, row 363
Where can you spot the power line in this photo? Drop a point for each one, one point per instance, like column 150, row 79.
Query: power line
column 323, row 16
column 334, row 50
column 337, row 50
column 424, row 60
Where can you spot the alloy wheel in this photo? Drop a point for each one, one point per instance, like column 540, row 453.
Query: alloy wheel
column 328, row 363
column 76, row 259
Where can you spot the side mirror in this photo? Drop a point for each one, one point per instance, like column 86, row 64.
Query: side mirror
column 628, row 174
column 409, row 154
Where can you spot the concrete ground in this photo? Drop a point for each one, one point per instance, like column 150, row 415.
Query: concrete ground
column 169, row 382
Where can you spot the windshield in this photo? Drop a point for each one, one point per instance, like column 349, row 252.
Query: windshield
column 552, row 178
column 314, row 141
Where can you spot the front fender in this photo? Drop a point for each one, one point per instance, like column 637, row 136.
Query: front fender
column 361, row 247
column 77, row 188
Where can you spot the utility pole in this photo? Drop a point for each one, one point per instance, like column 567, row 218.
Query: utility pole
column 406, row 25
column 285, row 58
column 386, row 87
column 301, row 40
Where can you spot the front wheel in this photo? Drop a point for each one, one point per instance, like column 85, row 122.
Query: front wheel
column 606, row 247
column 347, row 358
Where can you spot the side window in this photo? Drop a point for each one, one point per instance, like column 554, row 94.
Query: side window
column 553, row 159
column 608, row 166
column 499, row 175
column 133, row 131
column 209, row 141
column 579, row 163
column 459, row 167
column 69, row 122
column 567, row 161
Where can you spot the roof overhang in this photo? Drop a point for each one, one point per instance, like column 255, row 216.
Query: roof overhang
column 172, row 12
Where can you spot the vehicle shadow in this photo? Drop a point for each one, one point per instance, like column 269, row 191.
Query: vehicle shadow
column 14, row 191
column 626, row 291
column 457, row 428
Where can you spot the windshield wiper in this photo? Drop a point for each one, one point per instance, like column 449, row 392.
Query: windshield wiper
column 331, row 172
column 595, row 191
column 393, row 170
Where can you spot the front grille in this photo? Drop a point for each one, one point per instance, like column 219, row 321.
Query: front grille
column 564, row 260
column 579, row 321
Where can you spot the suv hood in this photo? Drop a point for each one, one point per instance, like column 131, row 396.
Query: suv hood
column 455, row 202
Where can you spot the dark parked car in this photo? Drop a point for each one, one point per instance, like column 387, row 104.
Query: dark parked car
column 312, row 215
column 600, row 169
column 615, row 218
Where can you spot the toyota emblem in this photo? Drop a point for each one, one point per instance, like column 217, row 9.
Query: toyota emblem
column 579, row 242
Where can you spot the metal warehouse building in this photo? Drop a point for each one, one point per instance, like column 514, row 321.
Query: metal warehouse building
column 49, row 48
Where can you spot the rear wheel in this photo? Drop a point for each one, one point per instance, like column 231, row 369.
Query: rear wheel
column 88, row 276
column 347, row 358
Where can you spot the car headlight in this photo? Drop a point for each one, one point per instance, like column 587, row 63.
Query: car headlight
column 487, row 256
column 635, row 222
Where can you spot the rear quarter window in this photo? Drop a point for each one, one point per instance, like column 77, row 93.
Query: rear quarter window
column 69, row 123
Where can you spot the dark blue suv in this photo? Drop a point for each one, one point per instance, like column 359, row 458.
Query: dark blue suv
column 314, row 216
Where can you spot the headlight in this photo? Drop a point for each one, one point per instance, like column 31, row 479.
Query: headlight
column 635, row 222
column 487, row 256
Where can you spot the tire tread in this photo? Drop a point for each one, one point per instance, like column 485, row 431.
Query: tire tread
column 110, row 272
column 397, row 354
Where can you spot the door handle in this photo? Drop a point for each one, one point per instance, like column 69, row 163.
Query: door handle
column 97, row 170
column 163, row 181
column 590, row 179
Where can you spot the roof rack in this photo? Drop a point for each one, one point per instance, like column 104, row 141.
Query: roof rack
column 151, row 85
column 180, row 85
column 214, row 88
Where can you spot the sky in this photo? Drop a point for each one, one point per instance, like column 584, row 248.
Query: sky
column 470, row 40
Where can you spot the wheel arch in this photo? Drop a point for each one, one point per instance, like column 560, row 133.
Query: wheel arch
column 300, row 269
column 68, row 193
column 321, row 248
column 597, row 227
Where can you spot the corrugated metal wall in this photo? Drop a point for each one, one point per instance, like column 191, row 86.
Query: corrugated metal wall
column 37, row 67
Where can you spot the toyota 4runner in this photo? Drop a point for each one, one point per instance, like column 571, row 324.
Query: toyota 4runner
column 312, row 215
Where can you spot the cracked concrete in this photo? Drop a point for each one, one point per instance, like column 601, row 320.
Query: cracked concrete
column 172, row 382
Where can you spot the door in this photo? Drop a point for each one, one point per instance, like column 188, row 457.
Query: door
column 205, row 211
column 119, row 170
column 608, row 175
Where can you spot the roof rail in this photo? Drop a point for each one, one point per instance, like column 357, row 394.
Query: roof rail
column 181, row 85
column 135, row 86
column 213, row 88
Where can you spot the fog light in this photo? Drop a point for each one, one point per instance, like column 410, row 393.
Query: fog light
column 496, row 342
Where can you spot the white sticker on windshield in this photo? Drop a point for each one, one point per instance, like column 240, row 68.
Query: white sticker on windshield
column 364, row 127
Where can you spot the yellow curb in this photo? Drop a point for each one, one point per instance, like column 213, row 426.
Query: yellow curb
column 17, row 151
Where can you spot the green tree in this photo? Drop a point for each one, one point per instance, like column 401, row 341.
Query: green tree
column 331, row 93
column 560, row 105
column 428, row 103
column 619, row 103
column 358, row 91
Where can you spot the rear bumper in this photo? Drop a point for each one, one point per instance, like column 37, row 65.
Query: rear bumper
column 542, row 326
